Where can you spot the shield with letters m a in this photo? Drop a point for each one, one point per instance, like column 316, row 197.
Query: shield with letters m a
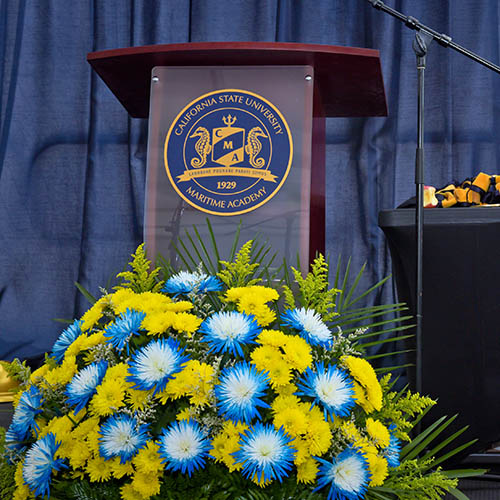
column 228, row 145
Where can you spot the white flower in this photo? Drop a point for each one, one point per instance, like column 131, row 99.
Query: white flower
column 309, row 324
column 183, row 447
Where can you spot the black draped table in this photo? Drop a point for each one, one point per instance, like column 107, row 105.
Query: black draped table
column 461, row 309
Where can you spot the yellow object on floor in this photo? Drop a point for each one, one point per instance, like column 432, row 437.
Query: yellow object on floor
column 6, row 385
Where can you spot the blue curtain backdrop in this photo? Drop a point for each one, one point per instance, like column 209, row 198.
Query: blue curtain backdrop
column 72, row 163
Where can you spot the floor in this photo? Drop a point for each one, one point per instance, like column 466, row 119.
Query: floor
column 483, row 489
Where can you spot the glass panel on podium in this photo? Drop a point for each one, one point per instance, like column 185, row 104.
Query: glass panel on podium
column 231, row 144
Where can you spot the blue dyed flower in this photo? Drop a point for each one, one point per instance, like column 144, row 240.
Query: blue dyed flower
column 228, row 331
column 330, row 388
column 67, row 337
column 84, row 384
column 39, row 463
column 266, row 453
column 393, row 451
column 185, row 283
column 23, row 420
column 239, row 390
column 126, row 325
column 122, row 436
column 183, row 446
column 309, row 325
column 347, row 475
column 14, row 442
column 154, row 365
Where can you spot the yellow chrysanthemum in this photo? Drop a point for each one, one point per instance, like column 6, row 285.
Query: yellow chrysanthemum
column 293, row 420
column 366, row 446
column 274, row 338
column 350, row 431
column 119, row 297
column 279, row 373
column 15, row 399
column 286, row 390
column 234, row 294
column 148, row 460
column 84, row 428
column 265, row 293
column 22, row 491
column 119, row 470
column 127, row 492
column 79, row 454
column 158, row 323
column 360, row 398
column 250, row 304
column 94, row 314
column 365, row 375
column 378, row 469
column 137, row 399
column 297, row 352
column 282, row 402
column 265, row 356
column 61, row 427
column 303, row 452
column 92, row 340
column 92, row 439
column 195, row 380
column 378, row 432
column 307, row 471
column 39, row 373
column 77, row 474
column 108, row 398
column 184, row 414
column 179, row 307
column 76, row 346
column 146, row 485
column 64, row 373
column 117, row 373
column 187, row 323
column 201, row 395
column 98, row 469
column 151, row 302
column 147, row 302
column 226, row 442
column 318, row 436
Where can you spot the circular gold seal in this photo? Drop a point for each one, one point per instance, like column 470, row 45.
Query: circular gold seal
column 228, row 152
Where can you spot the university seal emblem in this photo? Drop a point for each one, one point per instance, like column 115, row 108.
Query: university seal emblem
column 228, row 152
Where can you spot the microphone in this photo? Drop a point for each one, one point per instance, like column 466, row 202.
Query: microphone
column 376, row 3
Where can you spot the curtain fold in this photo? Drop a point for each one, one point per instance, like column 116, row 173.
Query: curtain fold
column 72, row 162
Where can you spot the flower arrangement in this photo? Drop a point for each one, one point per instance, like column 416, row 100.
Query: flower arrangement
column 215, row 386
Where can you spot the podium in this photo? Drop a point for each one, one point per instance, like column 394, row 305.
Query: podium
column 237, row 135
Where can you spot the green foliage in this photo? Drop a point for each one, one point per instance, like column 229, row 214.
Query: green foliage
column 83, row 490
column 7, row 485
column 313, row 290
column 215, row 483
column 140, row 279
column 402, row 408
column 241, row 271
column 410, row 481
column 17, row 370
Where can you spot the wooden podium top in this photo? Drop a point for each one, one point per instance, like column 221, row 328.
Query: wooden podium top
column 349, row 80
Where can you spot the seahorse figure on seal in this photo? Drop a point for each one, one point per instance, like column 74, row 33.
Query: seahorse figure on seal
column 254, row 146
column 202, row 147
